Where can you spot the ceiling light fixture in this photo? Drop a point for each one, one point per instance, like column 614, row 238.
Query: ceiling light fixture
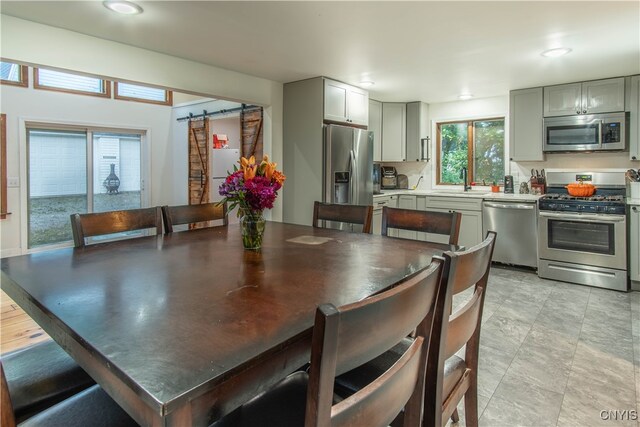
column 465, row 96
column 123, row 7
column 366, row 83
column 554, row 53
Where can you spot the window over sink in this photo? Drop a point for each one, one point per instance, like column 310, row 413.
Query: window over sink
column 477, row 145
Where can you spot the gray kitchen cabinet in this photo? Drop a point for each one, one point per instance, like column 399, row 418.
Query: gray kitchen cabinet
column 407, row 202
column 470, row 224
column 634, row 246
column 418, row 130
column 307, row 105
column 394, row 122
column 375, row 125
column 345, row 103
column 378, row 203
column 634, row 119
column 525, row 125
column 598, row 96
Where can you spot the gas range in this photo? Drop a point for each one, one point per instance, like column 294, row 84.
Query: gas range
column 583, row 239
column 612, row 204
column 608, row 198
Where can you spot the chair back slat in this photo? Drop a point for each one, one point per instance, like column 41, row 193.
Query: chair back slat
column 349, row 214
column 101, row 223
column 390, row 393
column 444, row 223
column 472, row 265
column 465, row 269
column 193, row 214
column 346, row 337
column 463, row 324
column 366, row 330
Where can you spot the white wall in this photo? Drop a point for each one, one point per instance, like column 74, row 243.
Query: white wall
column 499, row 107
column 28, row 104
column 36, row 44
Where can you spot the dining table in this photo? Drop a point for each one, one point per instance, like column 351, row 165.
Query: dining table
column 182, row 328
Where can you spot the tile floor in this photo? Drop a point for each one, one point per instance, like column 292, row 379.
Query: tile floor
column 556, row 354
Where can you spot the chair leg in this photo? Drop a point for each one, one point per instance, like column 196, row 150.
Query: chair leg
column 471, row 401
column 455, row 417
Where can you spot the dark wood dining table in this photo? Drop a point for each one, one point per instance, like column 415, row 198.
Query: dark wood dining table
column 180, row 329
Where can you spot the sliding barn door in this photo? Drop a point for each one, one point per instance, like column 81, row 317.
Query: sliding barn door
column 199, row 161
column 251, row 121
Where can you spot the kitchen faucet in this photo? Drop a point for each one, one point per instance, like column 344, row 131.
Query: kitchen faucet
column 417, row 183
column 464, row 177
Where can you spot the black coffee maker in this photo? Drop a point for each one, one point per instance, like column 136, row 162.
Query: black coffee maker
column 508, row 184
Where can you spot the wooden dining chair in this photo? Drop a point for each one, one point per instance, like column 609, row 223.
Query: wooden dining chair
column 448, row 377
column 346, row 337
column 348, row 214
column 101, row 223
column 459, row 376
column 445, row 223
column 40, row 376
column 193, row 214
column 91, row 407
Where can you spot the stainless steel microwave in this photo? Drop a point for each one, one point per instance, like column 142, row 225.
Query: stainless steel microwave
column 593, row 132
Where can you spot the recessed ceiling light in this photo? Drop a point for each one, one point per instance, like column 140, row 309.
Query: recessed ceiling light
column 465, row 96
column 124, row 7
column 367, row 83
column 554, row 53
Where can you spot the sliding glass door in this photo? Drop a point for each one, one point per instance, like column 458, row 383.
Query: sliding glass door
column 78, row 171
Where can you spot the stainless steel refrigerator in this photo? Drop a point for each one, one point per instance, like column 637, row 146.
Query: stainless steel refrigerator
column 348, row 168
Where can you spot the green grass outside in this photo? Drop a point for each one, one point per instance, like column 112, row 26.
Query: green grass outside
column 49, row 216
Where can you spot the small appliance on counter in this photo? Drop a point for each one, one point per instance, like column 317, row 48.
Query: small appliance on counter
column 389, row 178
column 403, row 182
column 508, row 184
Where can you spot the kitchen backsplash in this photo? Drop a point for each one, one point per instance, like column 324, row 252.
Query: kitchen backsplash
column 521, row 171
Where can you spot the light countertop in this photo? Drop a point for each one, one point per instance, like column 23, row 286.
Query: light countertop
column 477, row 194
column 635, row 202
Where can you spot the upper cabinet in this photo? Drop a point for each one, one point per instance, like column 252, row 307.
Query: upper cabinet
column 634, row 119
column 394, row 136
column 598, row 96
column 405, row 130
column 375, row 125
column 344, row 103
column 418, row 131
column 525, row 125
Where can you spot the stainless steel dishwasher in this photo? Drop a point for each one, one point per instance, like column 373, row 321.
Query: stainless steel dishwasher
column 517, row 228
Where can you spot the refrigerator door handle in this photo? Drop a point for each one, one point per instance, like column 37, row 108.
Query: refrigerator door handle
column 352, row 178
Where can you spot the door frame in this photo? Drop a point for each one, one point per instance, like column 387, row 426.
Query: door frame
column 89, row 127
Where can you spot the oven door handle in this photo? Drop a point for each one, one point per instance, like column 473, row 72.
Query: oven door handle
column 584, row 218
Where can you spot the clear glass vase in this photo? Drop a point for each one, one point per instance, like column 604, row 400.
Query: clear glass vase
column 252, row 228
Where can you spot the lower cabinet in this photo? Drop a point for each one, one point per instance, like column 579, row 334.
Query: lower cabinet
column 407, row 202
column 471, row 223
column 634, row 246
column 378, row 203
column 470, row 208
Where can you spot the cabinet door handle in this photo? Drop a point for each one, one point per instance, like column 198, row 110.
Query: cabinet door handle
column 577, row 111
column 635, row 209
column 584, row 111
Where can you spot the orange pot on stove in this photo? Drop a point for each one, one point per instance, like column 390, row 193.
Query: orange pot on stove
column 581, row 189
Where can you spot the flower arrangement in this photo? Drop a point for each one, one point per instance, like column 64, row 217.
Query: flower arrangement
column 252, row 187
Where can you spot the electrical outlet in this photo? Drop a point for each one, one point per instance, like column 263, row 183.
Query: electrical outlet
column 13, row 181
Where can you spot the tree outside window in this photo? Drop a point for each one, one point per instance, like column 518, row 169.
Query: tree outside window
column 477, row 145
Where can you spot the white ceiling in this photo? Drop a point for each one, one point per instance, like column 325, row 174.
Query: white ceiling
column 429, row 51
